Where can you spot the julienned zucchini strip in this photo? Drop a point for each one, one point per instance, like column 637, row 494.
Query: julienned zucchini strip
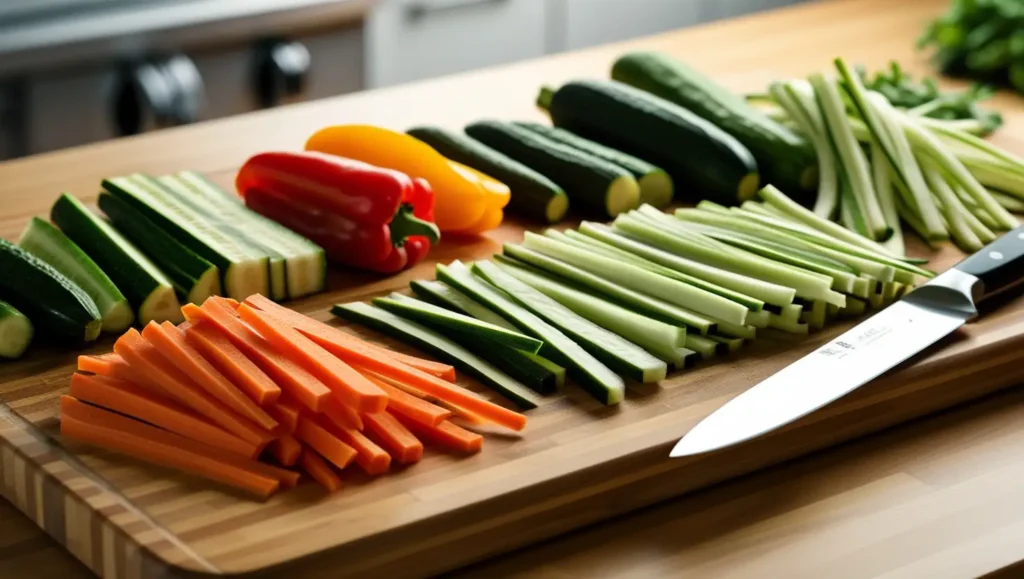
column 534, row 370
column 441, row 347
column 304, row 262
column 643, row 303
column 244, row 268
column 609, row 347
column 663, row 340
column 591, row 374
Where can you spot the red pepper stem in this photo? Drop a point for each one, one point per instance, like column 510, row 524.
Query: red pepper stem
column 405, row 225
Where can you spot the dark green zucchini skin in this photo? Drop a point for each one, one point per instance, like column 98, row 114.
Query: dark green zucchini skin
column 60, row 310
column 703, row 160
column 638, row 167
column 587, row 179
column 534, row 196
column 785, row 159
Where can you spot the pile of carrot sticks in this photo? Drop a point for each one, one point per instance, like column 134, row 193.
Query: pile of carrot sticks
column 254, row 394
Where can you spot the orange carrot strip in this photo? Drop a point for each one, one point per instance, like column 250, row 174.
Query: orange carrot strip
column 342, row 415
column 235, row 365
column 291, row 377
column 91, row 414
column 285, row 450
column 371, row 458
column 171, row 343
column 397, row 439
column 311, row 328
column 148, row 443
column 127, row 398
column 324, row 442
column 146, row 364
column 445, row 434
column 351, row 386
column 320, row 471
column 229, row 301
column 94, row 365
column 286, row 413
column 365, row 356
column 413, row 408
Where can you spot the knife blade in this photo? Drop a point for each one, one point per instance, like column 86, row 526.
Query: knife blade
column 908, row 326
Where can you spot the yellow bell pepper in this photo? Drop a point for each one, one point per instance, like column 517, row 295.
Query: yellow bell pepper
column 498, row 196
column 460, row 203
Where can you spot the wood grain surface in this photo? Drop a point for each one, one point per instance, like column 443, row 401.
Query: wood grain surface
column 577, row 463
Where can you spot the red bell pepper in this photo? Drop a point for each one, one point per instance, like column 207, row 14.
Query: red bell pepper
column 363, row 216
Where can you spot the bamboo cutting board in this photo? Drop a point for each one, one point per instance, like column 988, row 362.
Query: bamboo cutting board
column 576, row 463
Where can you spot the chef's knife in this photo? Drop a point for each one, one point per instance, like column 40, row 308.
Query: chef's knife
column 908, row 326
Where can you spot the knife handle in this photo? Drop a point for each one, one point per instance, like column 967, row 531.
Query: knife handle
column 999, row 265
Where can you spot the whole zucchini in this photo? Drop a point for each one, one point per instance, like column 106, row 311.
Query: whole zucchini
column 784, row 158
column 701, row 158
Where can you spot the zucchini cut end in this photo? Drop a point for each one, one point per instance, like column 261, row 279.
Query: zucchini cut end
column 15, row 335
column 118, row 318
column 623, row 194
column 557, row 207
column 93, row 329
column 656, row 189
column 748, row 187
column 161, row 305
column 207, row 285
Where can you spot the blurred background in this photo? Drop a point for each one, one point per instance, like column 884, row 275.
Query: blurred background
column 79, row 71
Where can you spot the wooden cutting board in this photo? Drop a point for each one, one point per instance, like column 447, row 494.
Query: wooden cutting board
column 577, row 462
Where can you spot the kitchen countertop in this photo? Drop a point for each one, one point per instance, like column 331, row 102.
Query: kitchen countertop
column 939, row 497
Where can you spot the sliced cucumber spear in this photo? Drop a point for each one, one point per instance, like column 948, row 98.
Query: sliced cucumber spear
column 244, row 269
column 640, row 279
column 533, row 370
column 665, row 341
column 590, row 373
column 651, row 306
column 436, row 316
column 149, row 291
column 440, row 346
column 43, row 240
column 15, row 331
column 194, row 278
column 59, row 309
column 615, row 351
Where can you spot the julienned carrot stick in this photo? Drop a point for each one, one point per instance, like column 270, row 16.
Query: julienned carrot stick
column 323, row 441
column 127, row 398
column 399, row 442
column 341, row 415
column 286, row 413
column 94, row 365
column 365, row 357
column 145, row 363
column 90, row 414
column 319, row 331
column 291, row 377
column 320, row 471
column 411, row 407
column 446, row 434
column 351, row 386
column 148, row 443
column 235, row 365
column 171, row 343
column 444, row 394
column 285, row 450
column 371, row 458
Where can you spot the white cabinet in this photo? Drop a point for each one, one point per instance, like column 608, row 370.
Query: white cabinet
column 591, row 22
column 415, row 39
